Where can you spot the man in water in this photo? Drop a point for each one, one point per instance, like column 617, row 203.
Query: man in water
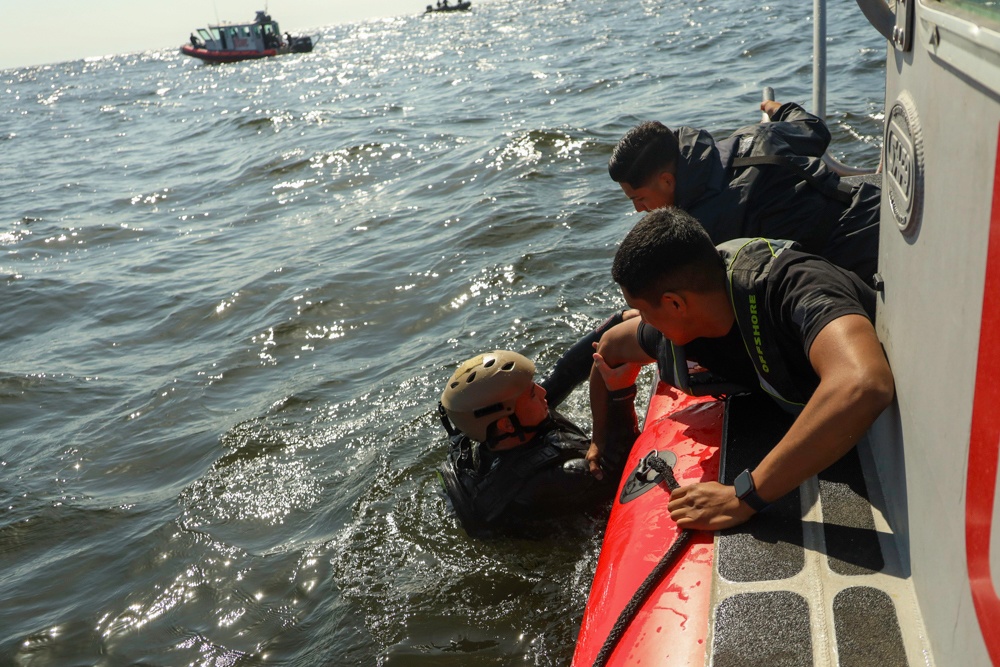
column 754, row 312
column 766, row 180
column 512, row 456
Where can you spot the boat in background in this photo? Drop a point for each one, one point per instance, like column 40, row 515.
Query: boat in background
column 233, row 42
column 892, row 555
column 445, row 7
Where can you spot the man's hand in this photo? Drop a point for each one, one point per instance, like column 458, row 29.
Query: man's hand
column 594, row 459
column 770, row 107
column 707, row 506
column 620, row 377
column 620, row 346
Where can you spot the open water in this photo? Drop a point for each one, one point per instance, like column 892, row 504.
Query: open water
column 231, row 296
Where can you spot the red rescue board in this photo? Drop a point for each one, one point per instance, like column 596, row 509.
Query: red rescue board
column 672, row 625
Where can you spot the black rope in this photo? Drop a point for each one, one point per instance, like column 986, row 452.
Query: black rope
column 662, row 467
column 647, row 586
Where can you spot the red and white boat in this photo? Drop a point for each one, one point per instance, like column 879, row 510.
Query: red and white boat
column 233, row 42
column 888, row 557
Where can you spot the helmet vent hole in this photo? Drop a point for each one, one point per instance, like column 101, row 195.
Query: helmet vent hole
column 453, row 385
column 471, row 377
column 489, row 362
column 508, row 366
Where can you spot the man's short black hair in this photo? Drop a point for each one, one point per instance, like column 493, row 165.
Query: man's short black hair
column 668, row 250
column 645, row 150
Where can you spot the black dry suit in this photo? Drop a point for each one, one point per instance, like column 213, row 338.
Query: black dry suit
column 769, row 180
column 546, row 476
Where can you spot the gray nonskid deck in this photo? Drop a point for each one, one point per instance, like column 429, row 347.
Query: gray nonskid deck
column 790, row 589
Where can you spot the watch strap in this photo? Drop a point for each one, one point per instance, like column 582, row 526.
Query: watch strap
column 749, row 494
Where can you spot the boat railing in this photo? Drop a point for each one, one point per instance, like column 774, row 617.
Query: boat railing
column 878, row 13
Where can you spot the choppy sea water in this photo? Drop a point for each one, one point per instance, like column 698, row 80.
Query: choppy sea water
column 232, row 294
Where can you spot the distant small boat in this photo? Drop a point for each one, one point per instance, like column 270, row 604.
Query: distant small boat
column 232, row 42
column 445, row 7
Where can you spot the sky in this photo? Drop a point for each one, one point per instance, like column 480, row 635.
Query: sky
column 41, row 32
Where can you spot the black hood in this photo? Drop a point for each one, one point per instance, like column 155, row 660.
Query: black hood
column 700, row 170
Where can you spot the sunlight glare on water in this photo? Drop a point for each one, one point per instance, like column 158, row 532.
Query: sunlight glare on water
column 233, row 294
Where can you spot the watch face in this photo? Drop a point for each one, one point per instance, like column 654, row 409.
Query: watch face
column 743, row 483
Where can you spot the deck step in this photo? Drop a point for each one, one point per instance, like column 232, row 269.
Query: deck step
column 816, row 578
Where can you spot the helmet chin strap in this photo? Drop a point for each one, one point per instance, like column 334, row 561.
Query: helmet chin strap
column 521, row 432
column 443, row 414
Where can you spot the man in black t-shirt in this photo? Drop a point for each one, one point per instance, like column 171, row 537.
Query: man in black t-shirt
column 754, row 312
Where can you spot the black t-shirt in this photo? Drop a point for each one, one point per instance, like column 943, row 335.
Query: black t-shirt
column 725, row 357
column 804, row 293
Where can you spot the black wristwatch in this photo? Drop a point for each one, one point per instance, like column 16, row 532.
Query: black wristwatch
column 747, row 492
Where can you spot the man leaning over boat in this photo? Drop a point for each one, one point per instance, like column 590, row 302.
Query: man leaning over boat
column 766, row 179
column 797, row 199
column 755, row 312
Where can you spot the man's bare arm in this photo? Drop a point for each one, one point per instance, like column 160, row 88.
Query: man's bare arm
column 855, row 386
column 616, row 364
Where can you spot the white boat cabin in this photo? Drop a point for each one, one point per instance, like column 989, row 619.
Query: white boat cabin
column 261, row 35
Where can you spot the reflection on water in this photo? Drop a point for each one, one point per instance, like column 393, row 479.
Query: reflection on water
column 233, row 293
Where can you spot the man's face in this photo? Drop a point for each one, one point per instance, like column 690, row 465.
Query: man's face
column 531, row 407
column 657, row 192
column 668, row 315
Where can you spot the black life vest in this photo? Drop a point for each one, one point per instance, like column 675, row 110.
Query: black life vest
column 749, row 263
column 481, row 484
column 692, row 379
